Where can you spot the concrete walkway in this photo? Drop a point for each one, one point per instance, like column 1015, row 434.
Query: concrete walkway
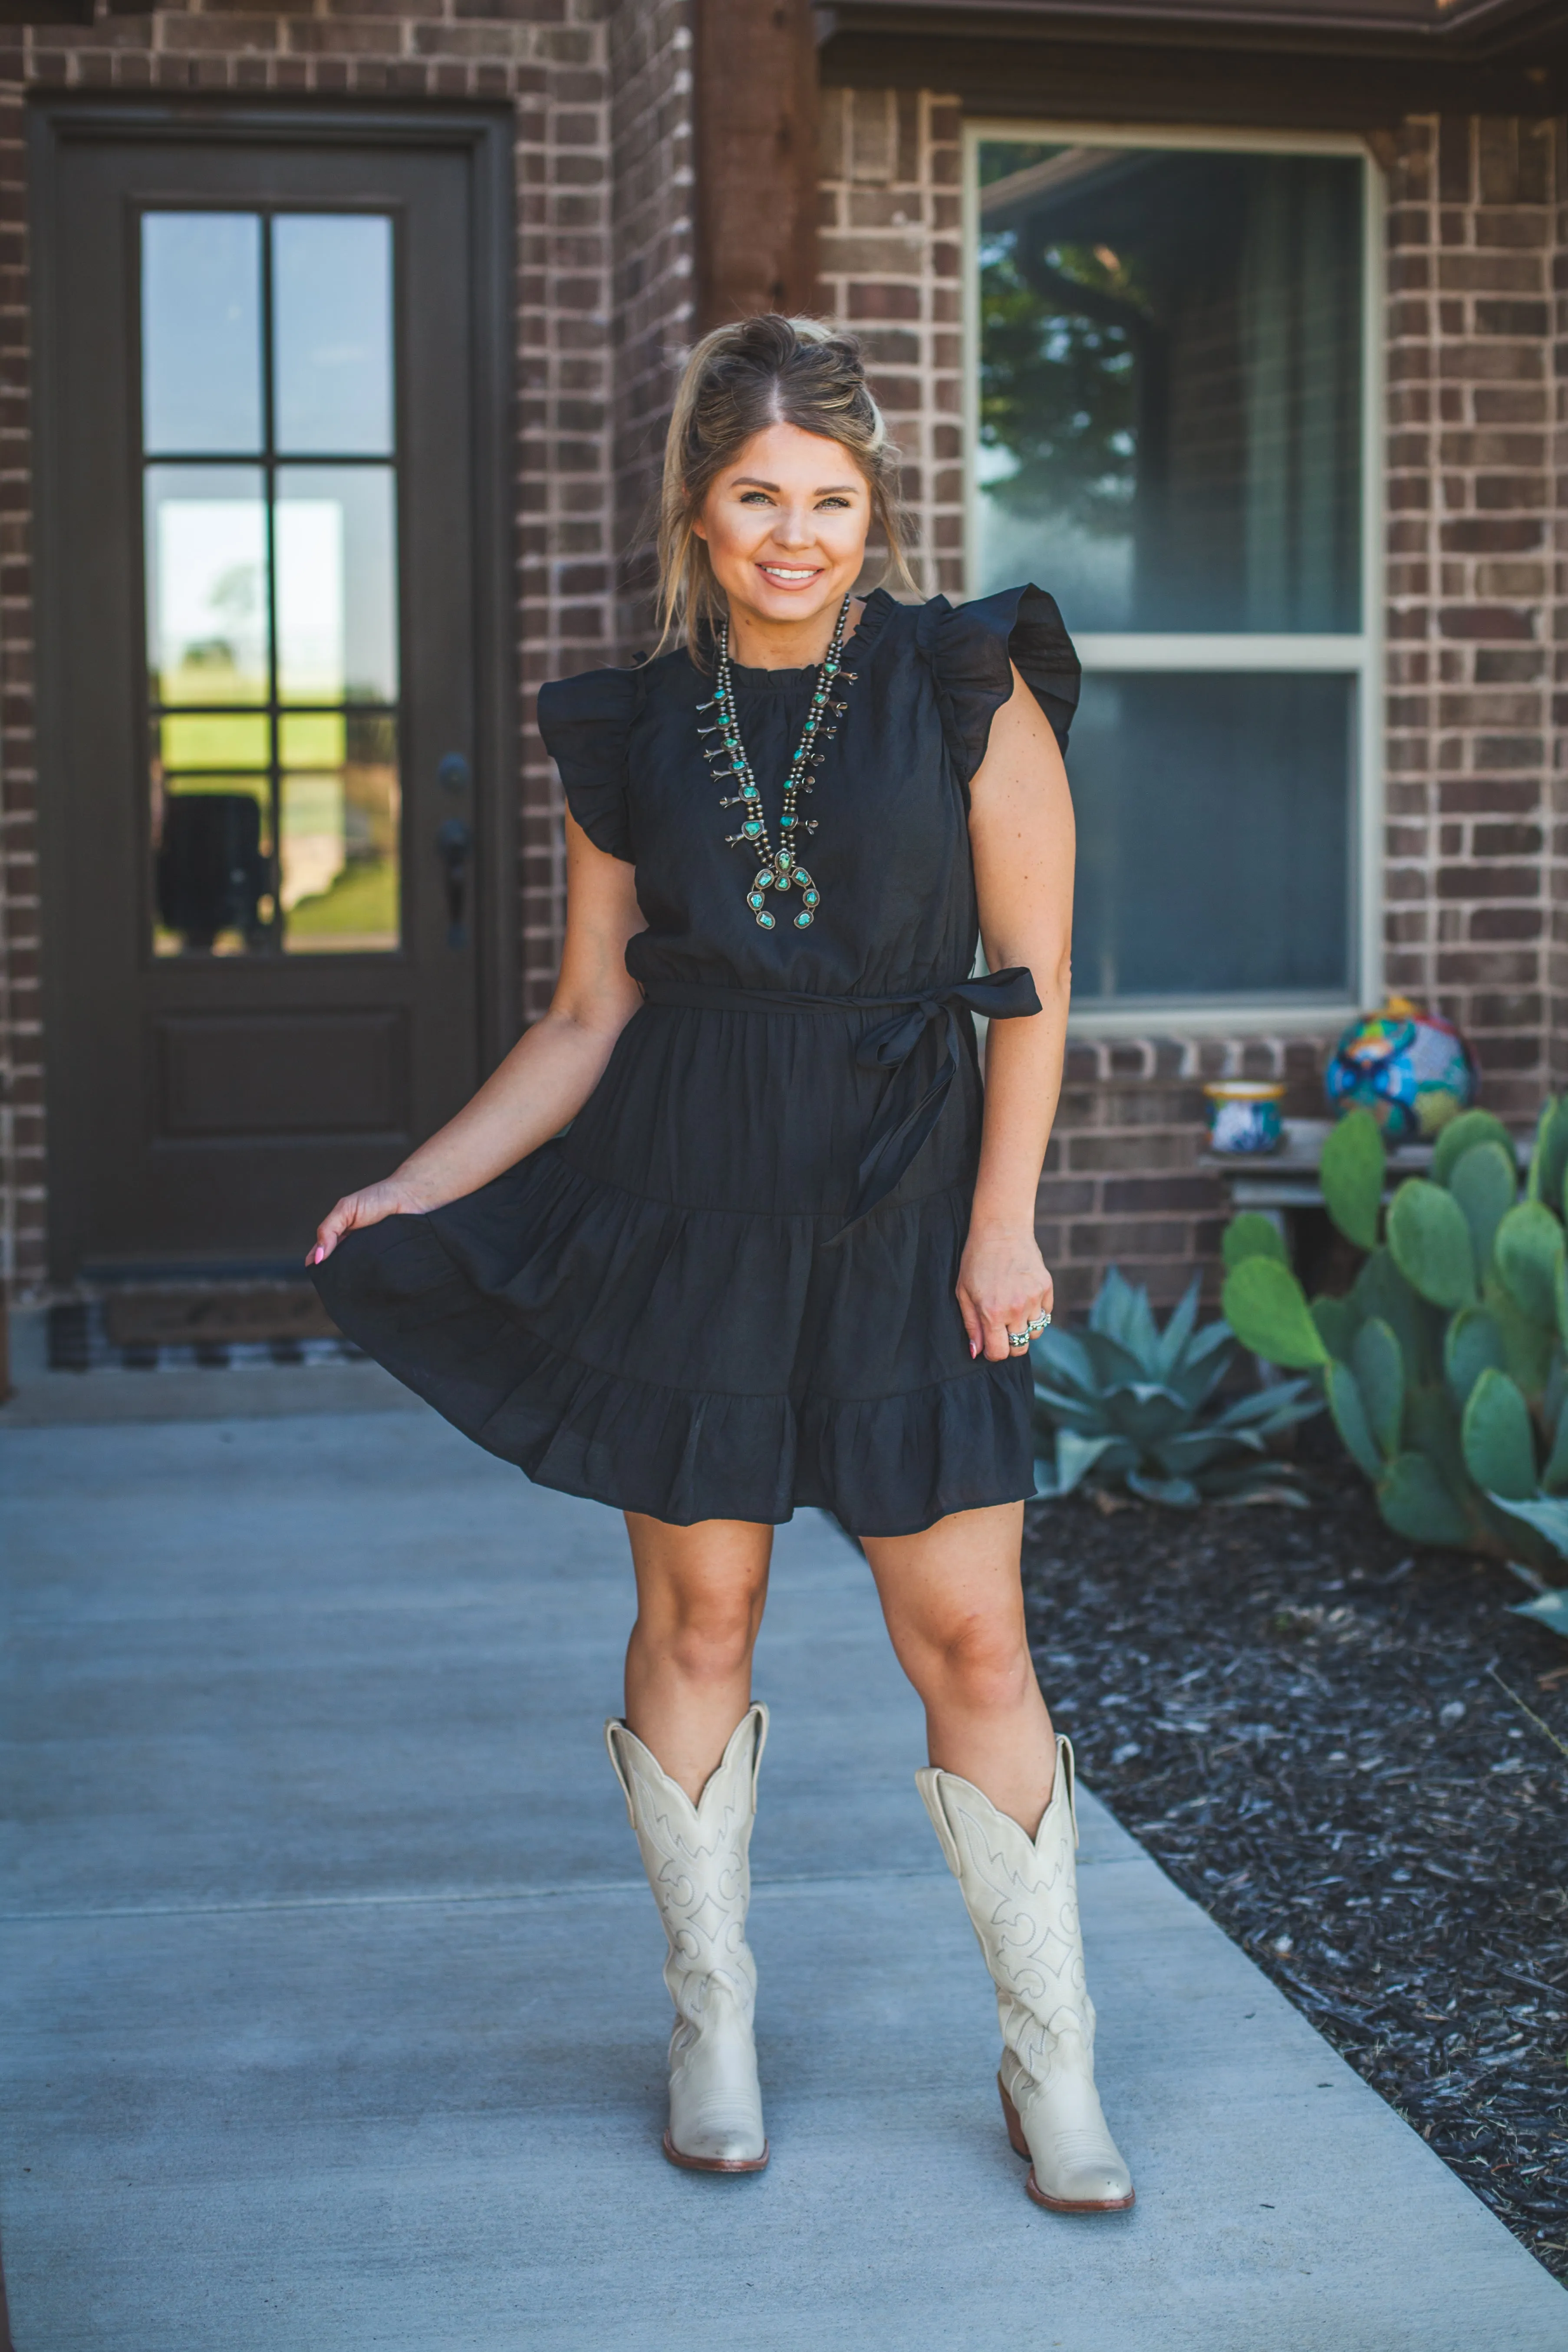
column 331, row 1992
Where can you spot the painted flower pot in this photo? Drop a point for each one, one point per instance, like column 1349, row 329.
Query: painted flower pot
column 1245, row 1117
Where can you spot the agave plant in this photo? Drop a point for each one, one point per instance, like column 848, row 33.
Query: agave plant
column 1124, row 1404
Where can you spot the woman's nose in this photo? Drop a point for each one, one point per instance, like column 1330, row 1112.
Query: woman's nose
column 793, row 526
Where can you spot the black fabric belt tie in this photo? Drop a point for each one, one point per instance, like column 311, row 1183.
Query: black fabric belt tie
column 896, row 1135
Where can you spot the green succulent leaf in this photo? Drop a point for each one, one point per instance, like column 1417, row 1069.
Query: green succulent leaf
column 1548, row 1609
column 1485, row 1182
column 1461, row 1135
column 1555, row 1477
column 1527, row 1347
column 1549, row 1160
column 1546, row 1515
column 1379, row 1369
column 1267, row 1309
column 1431, row 1244
column 1381, row 1289
column 1337, row 1324
column 1252, row 1234
column 1121, row 1312
column 1472, row 1345
column 1347, row 1407
column 1529, row 1254
column 1074, row 1456
column 1180, row 1494
column 1170, row 1350
column 1416, row 1504
column 1354, row 1165
column 1497, row 1441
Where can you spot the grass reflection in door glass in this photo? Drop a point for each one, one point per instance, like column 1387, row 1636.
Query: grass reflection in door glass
column 338, row 847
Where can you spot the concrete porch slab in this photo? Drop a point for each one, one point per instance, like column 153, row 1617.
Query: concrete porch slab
column 332, row 2013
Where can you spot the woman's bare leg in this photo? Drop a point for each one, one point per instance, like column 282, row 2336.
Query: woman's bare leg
column 953, row 1600
column 700, row 1593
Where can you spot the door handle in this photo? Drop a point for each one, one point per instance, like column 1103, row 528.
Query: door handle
column 454, row 840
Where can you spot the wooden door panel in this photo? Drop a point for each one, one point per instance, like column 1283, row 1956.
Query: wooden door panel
column 209, row 1101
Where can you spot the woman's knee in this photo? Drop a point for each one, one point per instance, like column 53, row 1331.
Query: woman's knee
column 705, row 1633
column 979, row 1663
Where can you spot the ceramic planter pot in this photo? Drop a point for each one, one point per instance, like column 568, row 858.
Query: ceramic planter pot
column 1245, row 1117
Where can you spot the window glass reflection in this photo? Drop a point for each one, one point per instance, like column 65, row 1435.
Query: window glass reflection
column 200, row 332
column 1170, row 393
column 207, row 583
column 332, row 333
column 212, row 849
column 337, row 583
column 1214, row 824
column 341, row 849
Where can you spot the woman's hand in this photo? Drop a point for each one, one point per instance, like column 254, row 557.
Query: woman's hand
column 1002, row 1286
column 388, row 1199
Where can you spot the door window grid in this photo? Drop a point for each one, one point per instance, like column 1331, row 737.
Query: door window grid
column 297, row 847
column 1353, row 655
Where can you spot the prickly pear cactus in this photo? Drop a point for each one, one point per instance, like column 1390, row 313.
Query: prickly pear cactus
column 1444, row 1369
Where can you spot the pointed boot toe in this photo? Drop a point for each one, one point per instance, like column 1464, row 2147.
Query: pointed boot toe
column 718, row 2150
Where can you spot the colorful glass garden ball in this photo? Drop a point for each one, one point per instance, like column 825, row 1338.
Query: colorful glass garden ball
column 1412, row 1070
column 1244, row 1116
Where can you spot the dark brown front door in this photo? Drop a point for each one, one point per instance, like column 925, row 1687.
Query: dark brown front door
column 265, row 737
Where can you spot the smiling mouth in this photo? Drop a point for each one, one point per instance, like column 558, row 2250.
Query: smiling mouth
column 790, row 575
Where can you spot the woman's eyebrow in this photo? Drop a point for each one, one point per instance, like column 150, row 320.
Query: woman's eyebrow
column 752, row 482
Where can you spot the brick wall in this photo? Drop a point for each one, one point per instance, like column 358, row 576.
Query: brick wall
column 1477, row 869
column 889, row 264
column 1476, row 599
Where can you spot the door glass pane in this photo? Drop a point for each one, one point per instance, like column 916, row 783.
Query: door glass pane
column 1214, row 816
column 1170, row 393
column 271, row 589
column 341, row 845
column 212, row 850
column 207, row 583
column 332, row 333
column 337, row 583
column 201, row 333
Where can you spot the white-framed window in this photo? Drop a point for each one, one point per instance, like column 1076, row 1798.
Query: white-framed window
column 1172, row 346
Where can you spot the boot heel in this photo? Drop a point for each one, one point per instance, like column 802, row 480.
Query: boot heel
column 1019, row 2145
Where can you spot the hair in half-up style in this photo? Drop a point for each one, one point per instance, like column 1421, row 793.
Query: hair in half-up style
column 740, row 380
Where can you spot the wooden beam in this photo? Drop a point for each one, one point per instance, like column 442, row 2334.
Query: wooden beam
column 756, row 158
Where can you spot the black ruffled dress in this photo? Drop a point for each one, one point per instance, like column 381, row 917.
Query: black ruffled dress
column 728, row 1289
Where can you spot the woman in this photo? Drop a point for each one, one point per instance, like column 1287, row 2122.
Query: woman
column 785, row 1253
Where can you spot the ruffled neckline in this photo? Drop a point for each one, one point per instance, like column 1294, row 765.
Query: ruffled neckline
column 873, row 616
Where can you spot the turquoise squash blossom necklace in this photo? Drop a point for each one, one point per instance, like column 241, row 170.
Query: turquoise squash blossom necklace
column 780, row 868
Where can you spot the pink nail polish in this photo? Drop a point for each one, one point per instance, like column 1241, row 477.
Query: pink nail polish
column 973, row 1349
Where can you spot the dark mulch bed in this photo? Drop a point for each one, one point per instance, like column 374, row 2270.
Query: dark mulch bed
column 1304, row 1723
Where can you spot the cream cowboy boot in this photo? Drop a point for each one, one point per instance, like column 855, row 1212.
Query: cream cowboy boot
column 1022, row 1896
column 696, row 1861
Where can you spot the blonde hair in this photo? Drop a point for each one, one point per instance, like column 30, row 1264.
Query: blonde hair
column 738, row 381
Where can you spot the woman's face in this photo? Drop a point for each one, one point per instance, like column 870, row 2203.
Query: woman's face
column 786, row 524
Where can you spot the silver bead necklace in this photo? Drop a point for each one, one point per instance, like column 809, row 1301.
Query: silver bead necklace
column 781, row 869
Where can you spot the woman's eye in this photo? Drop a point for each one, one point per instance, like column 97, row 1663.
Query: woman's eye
column 755, row 499
column 835, row 502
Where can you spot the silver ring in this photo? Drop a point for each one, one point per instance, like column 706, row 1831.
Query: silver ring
column 1031, row 1331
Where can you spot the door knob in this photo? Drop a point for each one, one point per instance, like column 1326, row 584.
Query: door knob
column 454, row 840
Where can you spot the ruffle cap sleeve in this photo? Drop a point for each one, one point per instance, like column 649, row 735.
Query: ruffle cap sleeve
column 971, row 649
column 586, row 724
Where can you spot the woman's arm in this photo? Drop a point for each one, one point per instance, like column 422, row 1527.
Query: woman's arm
column 550, row 1072
column 1021, row 831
